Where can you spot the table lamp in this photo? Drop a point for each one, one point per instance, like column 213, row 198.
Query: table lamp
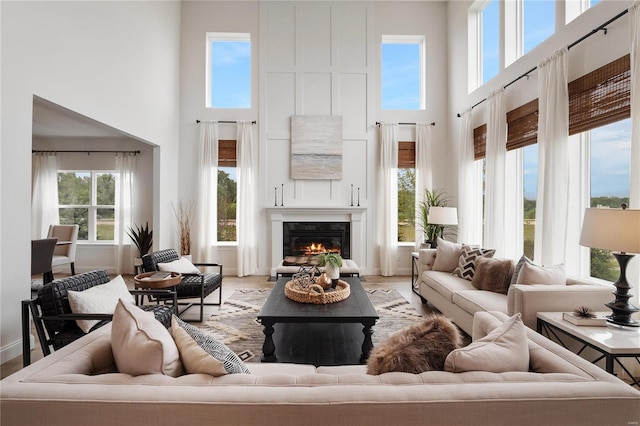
column 443, row 216
column 618, row 230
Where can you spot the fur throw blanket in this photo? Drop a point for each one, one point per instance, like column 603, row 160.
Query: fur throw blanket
column 417, row 348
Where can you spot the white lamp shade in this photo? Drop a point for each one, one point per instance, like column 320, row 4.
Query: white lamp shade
column 443, row 215
column 611, row 229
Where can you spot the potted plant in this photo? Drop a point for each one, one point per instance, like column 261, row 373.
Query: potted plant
column 184, row 213
column 432, row 198
column 332, row 263
column 142, row 237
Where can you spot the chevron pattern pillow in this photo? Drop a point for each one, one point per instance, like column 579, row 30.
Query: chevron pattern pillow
column 466, row 261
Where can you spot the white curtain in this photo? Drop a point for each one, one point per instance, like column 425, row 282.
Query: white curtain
column 553, row 160
column 246, row 206
column 633, row 271
column 44, row 194
column 495, row 189
column 388, row 174
column 207, row 217
column 469, row 185
column 126, row 167
column 423, row 170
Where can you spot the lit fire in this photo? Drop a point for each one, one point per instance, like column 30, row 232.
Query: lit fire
column 317, row 248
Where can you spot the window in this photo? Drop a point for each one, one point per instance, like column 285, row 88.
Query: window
column 539, row 18
column 228, row 83
column 490, row 38
column 530, row 183
column 406, row 191
column 574, row 8
column 87, row 198
column 610, row 167
column 403, row 73
column 227, row 190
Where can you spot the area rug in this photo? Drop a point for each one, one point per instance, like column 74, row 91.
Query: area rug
column 236, row 324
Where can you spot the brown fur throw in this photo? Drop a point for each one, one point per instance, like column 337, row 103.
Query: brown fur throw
column 417, row 348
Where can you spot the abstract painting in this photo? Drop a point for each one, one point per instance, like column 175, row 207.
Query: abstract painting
column 316, row 147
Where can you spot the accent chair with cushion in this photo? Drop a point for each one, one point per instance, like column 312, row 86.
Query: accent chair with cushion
column 41, row 256
column 68, row 308
column 65, row 251
column 195, row 284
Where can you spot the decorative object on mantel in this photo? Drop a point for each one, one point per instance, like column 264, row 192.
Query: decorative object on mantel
column 615, row 229
column 314, row 293
column 358, row 196
column 316, row 147
column 184, row 214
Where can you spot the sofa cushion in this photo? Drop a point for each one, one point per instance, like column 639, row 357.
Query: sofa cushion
column 548, row 275
column 467, row 258
column 503, row 349
column 516, row 270
column 181, row 266
column 201, row 353
column 492, row 274
column 141, row 345
column 445, row 283
column 100, row 299
column 473, row 301
column 447, row 256
column 417, row 348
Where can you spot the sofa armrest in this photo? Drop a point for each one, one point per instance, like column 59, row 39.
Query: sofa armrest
column 426, row 257
column 531, row 299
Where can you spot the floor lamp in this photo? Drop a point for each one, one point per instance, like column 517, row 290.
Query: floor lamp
column 618, row 230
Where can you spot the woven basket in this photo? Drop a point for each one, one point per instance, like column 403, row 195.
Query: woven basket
column 316, row 294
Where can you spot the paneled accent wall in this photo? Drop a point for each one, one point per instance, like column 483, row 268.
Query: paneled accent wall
column 316, row 59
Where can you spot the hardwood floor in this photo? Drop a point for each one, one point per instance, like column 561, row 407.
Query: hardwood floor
column 230, row 284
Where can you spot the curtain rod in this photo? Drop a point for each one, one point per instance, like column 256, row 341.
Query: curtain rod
column 602, row 27
column 226, row 122
column 433, row 123
column 33, row 151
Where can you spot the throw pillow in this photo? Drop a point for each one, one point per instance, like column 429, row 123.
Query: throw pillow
column 201, row 353
column 467, row 258
column 534, row 274
column 417, row 348
column 503, row 349
column 181, row 266
column 99, row 299
column 524, row 259
column 447, row 255
column 492, row 274
column 141, row 344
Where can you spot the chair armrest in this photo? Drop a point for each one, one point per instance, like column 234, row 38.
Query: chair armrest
column 86, row 316
column 219, row 266
column 531, row 299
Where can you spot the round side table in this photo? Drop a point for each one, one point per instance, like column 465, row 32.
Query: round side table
column 145, row 281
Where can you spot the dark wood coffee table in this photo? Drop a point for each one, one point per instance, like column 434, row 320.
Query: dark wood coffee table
column 357, row 308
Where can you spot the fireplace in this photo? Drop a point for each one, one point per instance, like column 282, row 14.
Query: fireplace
column 311, row 238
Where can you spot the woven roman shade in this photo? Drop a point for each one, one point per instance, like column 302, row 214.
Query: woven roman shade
column 227, row 153
column 406, row 155
column 522, row 125
column 480, row 142
column 601, row 97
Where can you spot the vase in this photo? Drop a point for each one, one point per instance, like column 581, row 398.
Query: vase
column 333, row 273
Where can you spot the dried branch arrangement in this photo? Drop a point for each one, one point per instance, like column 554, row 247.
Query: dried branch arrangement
column 184, row 214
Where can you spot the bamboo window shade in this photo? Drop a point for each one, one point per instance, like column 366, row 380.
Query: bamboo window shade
column 596, row 99
column 227, row 153
column 406, row 155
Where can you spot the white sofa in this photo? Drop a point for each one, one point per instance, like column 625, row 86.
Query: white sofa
column 79, row 385
column 459, row 300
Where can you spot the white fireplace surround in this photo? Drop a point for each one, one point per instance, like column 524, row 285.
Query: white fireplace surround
column 279, row 215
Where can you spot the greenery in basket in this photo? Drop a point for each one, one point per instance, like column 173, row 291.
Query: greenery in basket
column 142, row 237
column 333, row 259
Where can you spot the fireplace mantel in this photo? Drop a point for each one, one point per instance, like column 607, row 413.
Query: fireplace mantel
column 278, row 215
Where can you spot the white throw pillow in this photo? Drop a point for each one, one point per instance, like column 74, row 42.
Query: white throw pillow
column 503, row 349
column 549, row 275
column 447, row 256
column 181, row 266
column 99, row 299
column 141, row 344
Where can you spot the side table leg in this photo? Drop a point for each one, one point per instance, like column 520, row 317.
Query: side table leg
column 268, row 347
column 367, row 344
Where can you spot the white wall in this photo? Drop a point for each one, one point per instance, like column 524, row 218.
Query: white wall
column 312, row 58
column 115, row 62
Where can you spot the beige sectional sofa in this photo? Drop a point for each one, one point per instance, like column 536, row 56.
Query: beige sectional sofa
column 459, row 300
column 78, row 385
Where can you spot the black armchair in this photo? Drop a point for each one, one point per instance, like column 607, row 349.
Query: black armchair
column 193, row 285
column 54, row 321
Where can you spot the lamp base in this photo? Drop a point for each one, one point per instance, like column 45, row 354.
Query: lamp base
column 622, row 309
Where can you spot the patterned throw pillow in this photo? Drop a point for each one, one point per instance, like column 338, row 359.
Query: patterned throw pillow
column 466, row 261
column 193, row 360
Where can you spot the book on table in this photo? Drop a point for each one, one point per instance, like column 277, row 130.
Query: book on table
column 160, row 275
column 573, row 318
